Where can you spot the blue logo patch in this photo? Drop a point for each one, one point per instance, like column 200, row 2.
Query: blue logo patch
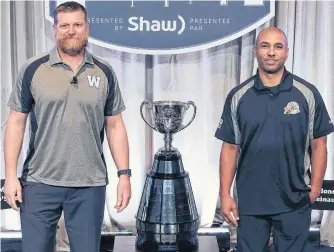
column 170, row 27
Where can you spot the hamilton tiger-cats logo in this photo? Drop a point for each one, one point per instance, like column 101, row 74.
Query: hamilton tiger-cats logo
column 291, row 108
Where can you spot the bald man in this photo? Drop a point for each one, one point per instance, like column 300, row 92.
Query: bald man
column 273, row 127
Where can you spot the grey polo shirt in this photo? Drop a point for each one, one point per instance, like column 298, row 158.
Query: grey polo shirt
column 67, row 119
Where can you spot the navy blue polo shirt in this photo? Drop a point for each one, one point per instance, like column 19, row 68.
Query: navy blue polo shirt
column 274, row 128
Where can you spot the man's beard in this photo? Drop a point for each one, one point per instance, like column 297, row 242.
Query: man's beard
column 73, row 48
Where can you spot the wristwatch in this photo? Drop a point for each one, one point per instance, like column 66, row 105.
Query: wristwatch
column 125, row 171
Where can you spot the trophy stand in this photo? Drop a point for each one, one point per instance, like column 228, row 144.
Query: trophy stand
column 167, row 218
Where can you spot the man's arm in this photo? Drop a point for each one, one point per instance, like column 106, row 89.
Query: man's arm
column 12, row 146
column 118, row 141
column 119, row 148
column 228, row 161
column 318, row 165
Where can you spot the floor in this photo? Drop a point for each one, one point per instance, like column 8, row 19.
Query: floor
column 14, row 245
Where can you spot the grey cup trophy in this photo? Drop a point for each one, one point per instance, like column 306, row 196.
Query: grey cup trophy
column 167, row 217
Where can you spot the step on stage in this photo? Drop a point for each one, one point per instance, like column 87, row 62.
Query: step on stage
column 127, row 244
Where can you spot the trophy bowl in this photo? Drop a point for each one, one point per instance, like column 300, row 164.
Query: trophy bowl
column 167, row 116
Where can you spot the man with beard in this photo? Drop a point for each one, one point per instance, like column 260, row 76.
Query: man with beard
column 274, row 126
column 72, row 97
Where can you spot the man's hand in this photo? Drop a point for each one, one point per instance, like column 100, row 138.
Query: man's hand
column 314, row 195
column 228, row 205
column 12, row 189
column 123, row 193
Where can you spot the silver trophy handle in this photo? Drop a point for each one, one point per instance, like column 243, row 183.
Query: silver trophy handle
column 150, row 106
column 192, row 104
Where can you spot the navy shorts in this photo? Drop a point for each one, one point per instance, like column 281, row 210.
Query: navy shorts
column 290, row 231
column 42, row 207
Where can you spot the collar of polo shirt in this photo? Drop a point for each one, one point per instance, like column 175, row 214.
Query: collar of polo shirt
column 285, row 84
column 55, row 58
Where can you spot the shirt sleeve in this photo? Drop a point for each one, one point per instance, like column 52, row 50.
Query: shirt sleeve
column 114, row 103
column 322, row 123
column 21, row 99
column 228, row 130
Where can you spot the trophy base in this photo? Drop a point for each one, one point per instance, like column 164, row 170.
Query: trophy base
column 167, row 163
column 168, row 152
column 167, row 218
column 183, row 242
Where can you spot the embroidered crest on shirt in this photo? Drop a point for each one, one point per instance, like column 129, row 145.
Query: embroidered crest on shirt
column 291, row 108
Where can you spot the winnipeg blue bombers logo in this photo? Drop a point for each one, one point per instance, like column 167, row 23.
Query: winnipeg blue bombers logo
column 93, row 81
column 170, row 26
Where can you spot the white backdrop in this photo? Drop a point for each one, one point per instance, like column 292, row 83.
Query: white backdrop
column 204, row 77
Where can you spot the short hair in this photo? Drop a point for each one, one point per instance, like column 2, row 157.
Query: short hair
column 271, row 27
column 68, row 7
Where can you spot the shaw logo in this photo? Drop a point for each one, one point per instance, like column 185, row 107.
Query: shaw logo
column 140, row 24
column 170, row 26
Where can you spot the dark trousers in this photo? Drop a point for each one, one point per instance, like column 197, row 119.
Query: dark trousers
column 290, row 231
column 42, row 207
